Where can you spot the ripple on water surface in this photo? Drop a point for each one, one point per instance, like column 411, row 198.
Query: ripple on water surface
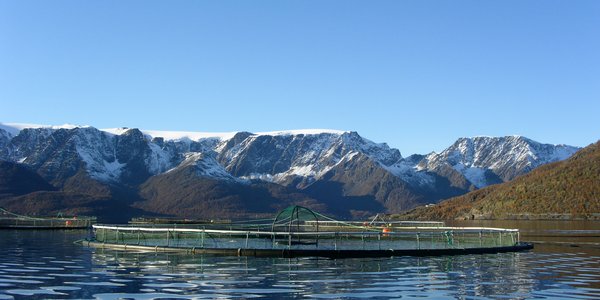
column 62, row 270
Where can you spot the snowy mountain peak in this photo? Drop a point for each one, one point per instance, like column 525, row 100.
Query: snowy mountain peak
column 506, row 157
column 380, row 152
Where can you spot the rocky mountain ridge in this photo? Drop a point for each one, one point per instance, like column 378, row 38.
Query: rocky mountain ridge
column 327, row 167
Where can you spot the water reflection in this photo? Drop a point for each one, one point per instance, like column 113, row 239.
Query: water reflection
column 50, row 266
column 550, row 236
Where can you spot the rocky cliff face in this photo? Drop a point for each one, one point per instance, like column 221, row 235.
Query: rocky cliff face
column 341, row 172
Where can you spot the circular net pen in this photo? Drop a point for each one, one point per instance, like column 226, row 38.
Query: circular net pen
column 299, row 231
column 11, row 220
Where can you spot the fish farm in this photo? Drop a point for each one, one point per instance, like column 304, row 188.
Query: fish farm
column 298, row 231
column 10, row 220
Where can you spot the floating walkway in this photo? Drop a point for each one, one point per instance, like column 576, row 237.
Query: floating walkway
column 298, row 231
column 10, row 220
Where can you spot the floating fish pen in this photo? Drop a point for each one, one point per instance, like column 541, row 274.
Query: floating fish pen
column 298, row 231
column 10, row 220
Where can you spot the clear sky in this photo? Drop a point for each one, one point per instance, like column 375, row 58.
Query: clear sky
column 414, row 74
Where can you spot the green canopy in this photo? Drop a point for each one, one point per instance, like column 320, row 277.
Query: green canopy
column 295, row 219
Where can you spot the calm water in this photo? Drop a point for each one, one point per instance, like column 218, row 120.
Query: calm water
column 47, row 265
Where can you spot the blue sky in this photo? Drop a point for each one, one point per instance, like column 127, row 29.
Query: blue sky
column 414, row 74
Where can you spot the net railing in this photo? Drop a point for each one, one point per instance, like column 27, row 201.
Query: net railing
column 206, row 238
column 10, row 219
column 365, row 224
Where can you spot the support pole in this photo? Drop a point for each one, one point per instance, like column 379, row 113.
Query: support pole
column 335, row 241
column 480, row 238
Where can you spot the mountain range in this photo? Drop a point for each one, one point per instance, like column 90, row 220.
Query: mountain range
column 566, row 189
column 123, row 172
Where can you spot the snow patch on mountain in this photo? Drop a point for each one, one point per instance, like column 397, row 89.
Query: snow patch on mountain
column 310, row 171
column 234, row 152
column 410, row 172
column 207, row 166
column 99, row 168
column 15, row 128
column 473, row 174
column 159, row 159
column 96, row 150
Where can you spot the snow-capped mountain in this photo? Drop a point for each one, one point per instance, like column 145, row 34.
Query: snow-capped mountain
column 340, row 169
column 271, row 156
column 488, row 160
column 284, row 157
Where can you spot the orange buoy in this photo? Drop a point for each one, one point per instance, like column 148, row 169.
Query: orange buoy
column 68, row 223
column 386, row 230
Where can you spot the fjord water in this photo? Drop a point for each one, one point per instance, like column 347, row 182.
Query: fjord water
column 48, row 265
